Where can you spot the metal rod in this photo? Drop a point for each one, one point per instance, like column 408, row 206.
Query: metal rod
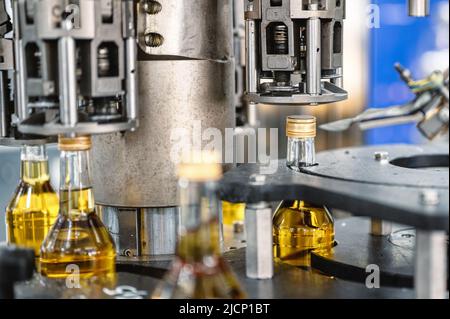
column 68, row 79
column 431, row 265
column 20, row 78
column 131, row 63
column 338, row 81
column 131, row 97
column 313, row 61
column 380, row 227
column 3, row 104
column 259, row 254
column 250, row 51
column 419, row 8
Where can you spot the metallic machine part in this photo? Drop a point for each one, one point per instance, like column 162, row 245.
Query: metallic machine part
column 398, row 197
column 380, row 227
column 10, row 108
column 259, row 253
column 198, row 29
column 419, row 8
column 431, row 265
column 186, row 83
column 294, row 51
column 75, row 65
column 429, row 108
column 142, row 232
column 177, row 99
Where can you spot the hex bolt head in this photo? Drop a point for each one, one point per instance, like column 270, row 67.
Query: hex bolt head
column 238, row 227
column 429, row 197
column 257, row 179
column 381, row 156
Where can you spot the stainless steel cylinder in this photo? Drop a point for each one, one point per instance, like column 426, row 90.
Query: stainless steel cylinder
column 198, row 29
column 134, row 169
column 250, row 51
column 142, row 232
column 186, row 79
column 419, row 8
column 68, row 76
column 314, row 55
column 3, row 105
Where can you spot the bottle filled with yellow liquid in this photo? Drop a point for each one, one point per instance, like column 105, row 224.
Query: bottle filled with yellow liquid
column 78, row 243
column 34, row 206
column 199, row 271
column 300, row 227
column 233, row 213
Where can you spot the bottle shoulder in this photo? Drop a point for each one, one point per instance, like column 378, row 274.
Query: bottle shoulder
column 292, row 214
column 34, row 197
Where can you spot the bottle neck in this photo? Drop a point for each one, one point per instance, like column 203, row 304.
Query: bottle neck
column 199, row 231
column 76, row 194
column 301, row 153
column 34, row 164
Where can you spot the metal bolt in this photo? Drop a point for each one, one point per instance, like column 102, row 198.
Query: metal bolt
column 444, row 115
column 154, row 40
column 257, row 179
column 152, row 7
column 381, row 156
column 429, row 197
column 238, row 227
column 127, row 253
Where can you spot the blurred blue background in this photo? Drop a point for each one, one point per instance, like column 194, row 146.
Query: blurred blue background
column 420, row 44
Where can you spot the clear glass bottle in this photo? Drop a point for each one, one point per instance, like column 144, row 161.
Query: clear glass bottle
column 199, row 271
column 78, row 242
column 300, row 227
column 34, row 206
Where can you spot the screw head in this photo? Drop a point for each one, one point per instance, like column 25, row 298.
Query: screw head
column 257, row 179
column 238, row 227
column 381, row 156
column 429, row 197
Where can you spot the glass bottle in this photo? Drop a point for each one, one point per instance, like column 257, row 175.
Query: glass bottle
column 300, row 227
column 78, row 242
column 199, row 271
column 34, row 206
column 233, row 213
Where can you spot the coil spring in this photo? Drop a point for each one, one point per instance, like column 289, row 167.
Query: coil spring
column 280, row 38
column 103, row 61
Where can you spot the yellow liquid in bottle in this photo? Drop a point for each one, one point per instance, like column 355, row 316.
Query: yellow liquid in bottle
column 33, row 208
column 199, row 271
column 232, row 213
column 79, row 242
column 298, row 229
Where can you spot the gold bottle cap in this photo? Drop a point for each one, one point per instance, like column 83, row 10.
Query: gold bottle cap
column 301, row 126
column 201, row 166
column 74, row 144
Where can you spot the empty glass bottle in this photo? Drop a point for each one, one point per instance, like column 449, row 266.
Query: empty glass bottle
column 199, row 271
column 300, row 227
column 34, row 206
column 78, row 243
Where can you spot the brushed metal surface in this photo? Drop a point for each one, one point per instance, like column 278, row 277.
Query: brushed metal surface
column 134, row 169
column 200, row 29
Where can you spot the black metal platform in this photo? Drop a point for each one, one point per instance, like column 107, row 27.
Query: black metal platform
column 394, row 255
column 352, row 180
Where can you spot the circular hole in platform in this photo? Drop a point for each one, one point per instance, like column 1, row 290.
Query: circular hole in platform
column 428, row 162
